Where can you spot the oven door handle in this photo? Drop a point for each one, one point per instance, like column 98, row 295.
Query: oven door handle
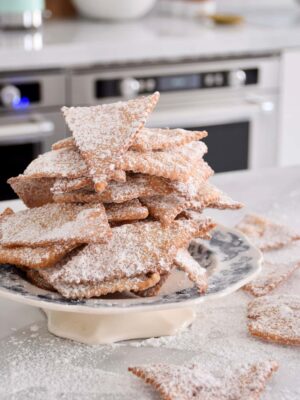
column 34, row 129
column 213, row 113
column 265, row 105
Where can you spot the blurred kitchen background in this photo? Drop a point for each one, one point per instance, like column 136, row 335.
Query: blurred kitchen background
column 231, row 67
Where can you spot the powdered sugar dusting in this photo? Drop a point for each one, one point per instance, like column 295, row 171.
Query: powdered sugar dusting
column 276, row 318
column 149, row 139
column 188, row 264
column 272, row 275
column 192, row 381
column 133, row 249
column 128, row 211
column 34, row 192
column 63, row 163
column 265, row 233
column 136, row 185
column 38, row 365
column 163, row 139
column 56, row 223
column 176, row 164
column 165, row 208
column 103, row 133
column 198, row 177
column 82, row 290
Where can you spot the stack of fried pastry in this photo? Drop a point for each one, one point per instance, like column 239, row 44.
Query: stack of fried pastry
column 114, row 207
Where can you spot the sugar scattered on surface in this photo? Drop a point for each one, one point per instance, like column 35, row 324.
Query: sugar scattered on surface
column 217, row 338
column 34, row 328
column 50, row 368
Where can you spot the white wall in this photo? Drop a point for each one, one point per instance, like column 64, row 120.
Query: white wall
column 289, row 118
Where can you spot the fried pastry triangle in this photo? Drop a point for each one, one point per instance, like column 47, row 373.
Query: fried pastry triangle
column 34, row 192
column 67, row 143
column 55, row 224
column 116, row 192
column 118, row 175
column 193, row 381
column 34, row 257
column 210, row 196
column 129, row 211
column 63, row 163
column 272, row 275
column 222, row 201
column 196, row 180
column 265, row 233
column 166, row 208
column 177, row 164
column 275, row 319
column 134, row 249
column 149, row 139
column 65, row 185
column 68, row 165
column 164, row 139
column 154, row 290
column 36, row 279
column 37, row 257
column 186, row 263
column 5, row 213
column 86, row 291
column 205, row 224
column 103, row 133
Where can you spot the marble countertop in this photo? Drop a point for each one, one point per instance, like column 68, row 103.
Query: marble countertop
column 82, row 43
column 35, row 364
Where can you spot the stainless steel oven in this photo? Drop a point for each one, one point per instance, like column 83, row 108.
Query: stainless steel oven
column 234, row 100
column 30, row 121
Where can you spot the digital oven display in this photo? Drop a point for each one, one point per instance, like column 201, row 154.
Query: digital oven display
column 179, row 82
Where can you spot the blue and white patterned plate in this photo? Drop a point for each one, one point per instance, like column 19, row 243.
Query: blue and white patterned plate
column 231, row 262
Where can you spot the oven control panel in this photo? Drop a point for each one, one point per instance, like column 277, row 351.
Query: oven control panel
column 23, row 92
column 19, row 95
column 132, row 86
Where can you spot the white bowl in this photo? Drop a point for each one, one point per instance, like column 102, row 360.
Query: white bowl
column 113, row 9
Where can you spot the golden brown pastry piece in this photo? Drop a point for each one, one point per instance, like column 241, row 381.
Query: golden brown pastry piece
column 61, row 224
column 104, row 133
column 194, row 381
column 275, row 319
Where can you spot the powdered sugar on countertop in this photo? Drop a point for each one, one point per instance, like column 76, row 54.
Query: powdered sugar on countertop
column 50, row 368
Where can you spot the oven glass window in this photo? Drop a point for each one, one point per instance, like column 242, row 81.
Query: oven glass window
column 228, row 146
column 14, row 159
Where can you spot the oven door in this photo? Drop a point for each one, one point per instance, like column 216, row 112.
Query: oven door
column 23, row 138
column 242, row 132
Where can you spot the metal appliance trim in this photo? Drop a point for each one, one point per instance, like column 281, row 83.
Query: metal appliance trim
column 25, row 19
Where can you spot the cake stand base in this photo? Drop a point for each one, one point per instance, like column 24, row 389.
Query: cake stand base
column 111, row 328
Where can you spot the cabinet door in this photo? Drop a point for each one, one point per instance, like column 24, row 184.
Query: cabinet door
column 289, row 139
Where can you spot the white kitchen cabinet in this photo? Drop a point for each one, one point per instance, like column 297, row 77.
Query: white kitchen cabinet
column 289, row 117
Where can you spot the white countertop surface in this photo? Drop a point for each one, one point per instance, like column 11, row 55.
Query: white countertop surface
column 83, row 43
column 35, row 364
